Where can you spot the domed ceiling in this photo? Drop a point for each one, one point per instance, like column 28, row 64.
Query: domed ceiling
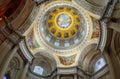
column 64, row 29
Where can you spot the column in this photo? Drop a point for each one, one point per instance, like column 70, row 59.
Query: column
column 24, row 73
column 5, row 63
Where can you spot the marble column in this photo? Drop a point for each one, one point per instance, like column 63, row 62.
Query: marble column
column 24, row 73
column 5, row 62
column 114, row 26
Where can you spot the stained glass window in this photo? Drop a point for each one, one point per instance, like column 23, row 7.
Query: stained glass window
column 100, row 64
column 38, row 70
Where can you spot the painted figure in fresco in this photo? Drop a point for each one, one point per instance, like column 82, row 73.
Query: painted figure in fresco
column 67, row 60
column 64, row 20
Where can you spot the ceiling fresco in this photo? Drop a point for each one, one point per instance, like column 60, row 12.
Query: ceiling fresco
column 31, row 41
column 67, row 60
column 63, row 28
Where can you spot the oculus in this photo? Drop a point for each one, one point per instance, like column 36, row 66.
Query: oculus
column 64, row 20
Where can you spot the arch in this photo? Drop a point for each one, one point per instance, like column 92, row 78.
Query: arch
column 89, row 57
column 85, row 52
column 13, row 67
column 15, row 63
column 43, row 64
column 117, row 43
column 46, row 54
column 110, row 65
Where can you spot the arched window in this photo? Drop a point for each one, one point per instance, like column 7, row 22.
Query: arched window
column 38, row 70
column 100, row 64
column 56, row 43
